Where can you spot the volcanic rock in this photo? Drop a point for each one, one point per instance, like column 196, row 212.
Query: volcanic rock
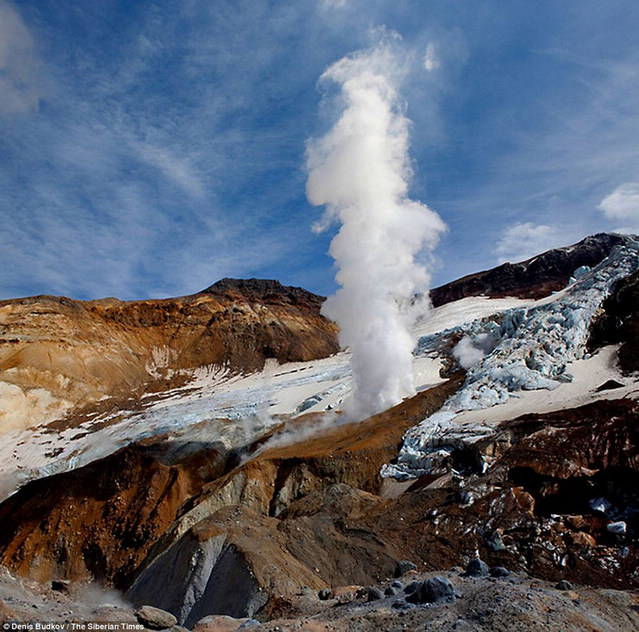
column 60, row 585
column 325, row 594
column 403, row 567
column 101, row 520
column 563, row 584
column 154, row 618
column 477, row 568
column 609, row 385
column 534, row 278
column 619, row 323
column 336, row 529
column 432, row 590
column 374, row 594
column 104, row 519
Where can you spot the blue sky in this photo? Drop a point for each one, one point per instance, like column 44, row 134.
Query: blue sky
column 149, row 148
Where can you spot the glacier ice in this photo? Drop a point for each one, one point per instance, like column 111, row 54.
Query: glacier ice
column 536, row 343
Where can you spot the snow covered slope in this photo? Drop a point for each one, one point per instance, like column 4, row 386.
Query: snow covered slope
column 235, row 409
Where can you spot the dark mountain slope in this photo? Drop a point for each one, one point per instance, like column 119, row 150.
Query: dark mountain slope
column 533, row 278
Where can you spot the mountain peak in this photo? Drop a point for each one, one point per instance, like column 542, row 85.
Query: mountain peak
column 263, row 291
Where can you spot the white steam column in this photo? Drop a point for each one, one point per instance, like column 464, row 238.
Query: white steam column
column 360, row 170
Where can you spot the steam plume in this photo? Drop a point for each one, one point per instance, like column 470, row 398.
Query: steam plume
column 360, row 170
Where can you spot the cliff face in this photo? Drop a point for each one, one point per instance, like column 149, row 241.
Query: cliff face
column 533, row 278
column 56, row 353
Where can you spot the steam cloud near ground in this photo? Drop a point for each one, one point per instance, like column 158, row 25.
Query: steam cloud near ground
column 470, row 352
column 360, row 170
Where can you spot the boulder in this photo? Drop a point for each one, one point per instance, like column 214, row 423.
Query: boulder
column 155, row 618
column 374, row 594
column 476, row 568
column 325, row 594
column 403, row 567
column 432, row 590
column 563, row 584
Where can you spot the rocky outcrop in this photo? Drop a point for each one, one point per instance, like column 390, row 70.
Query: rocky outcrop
column 56, row 353
column 210, row 570
column 533, row 278
column 619, row 323
column 100, row 521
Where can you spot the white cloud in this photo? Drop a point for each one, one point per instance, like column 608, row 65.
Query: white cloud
column 19, row 91
column 525, row 240
column 179, row 170
column 623, row 205
column 431, row 61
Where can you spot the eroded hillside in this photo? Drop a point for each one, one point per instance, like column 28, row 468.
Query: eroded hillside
column 57, row 354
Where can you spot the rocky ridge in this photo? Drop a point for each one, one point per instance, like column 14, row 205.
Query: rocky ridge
column 536, row 277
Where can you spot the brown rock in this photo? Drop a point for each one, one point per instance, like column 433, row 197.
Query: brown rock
column 582, row 539
column 346, row 594
column 155, row 618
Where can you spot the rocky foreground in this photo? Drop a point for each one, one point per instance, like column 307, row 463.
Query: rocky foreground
column 477, row 599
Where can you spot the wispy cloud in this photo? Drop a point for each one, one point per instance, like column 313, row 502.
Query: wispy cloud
column 431, row 61
column 20, row 81
column 332, row 4
column 178, row 169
